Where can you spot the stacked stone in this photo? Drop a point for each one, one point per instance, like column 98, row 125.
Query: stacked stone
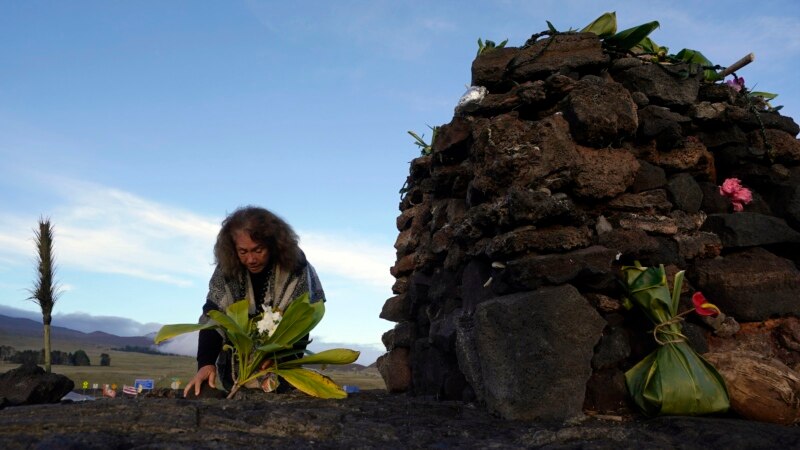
column 514, row 229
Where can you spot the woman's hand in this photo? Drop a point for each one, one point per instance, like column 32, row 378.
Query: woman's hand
column 204, row 373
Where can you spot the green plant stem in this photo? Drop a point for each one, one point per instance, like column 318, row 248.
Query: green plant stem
column 233, row 391
column 47, row 359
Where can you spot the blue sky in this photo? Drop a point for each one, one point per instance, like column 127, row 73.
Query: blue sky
column 137, row 126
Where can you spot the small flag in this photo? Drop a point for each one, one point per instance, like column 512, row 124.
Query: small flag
column 130, row 390
column 108, row 392
column 145, row 383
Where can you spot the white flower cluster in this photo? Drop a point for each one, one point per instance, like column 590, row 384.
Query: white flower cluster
column 269, row 322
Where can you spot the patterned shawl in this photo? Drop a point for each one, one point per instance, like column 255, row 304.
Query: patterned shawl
column 283, row 287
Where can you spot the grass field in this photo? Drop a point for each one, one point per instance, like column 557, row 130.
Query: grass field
column 128, row 366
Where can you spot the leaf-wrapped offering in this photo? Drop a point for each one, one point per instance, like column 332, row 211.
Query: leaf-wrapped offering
column 674, row 379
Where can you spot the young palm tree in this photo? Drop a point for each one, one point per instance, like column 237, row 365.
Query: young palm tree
column 45, row 290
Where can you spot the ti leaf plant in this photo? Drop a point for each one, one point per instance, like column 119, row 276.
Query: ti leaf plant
column 637, row 40
column 695, row 59
column 251, row 348
column 604, row 26
column 419, row 141
column 765, row 97
column 628, row 39
column 486, row 47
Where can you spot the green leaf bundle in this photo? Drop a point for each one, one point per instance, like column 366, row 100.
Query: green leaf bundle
column 674, row 379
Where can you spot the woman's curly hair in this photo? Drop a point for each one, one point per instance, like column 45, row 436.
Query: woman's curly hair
column 264, row 228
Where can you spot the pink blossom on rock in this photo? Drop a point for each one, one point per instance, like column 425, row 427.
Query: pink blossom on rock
column 739, row 196
column 736, row 83
column 743, row 195
column 729, row 186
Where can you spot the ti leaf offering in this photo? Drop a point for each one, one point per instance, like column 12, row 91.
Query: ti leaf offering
column 629, row 38
column 695, row 57
column 270, row 336
column 603, row 26
column 674, row 379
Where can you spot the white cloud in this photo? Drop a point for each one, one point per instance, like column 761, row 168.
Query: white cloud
column 349, row 258
column 105, row 230
column 737, row 37
column 437, row 25
column 16, row 238
column 18, row 312
column 118, row 326
column 101, row 229
column 87, row 323
column 184, row 344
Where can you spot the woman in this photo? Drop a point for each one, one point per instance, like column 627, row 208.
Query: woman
column 257, row 259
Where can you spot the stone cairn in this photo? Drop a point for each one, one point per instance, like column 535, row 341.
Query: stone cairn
column 576, row 162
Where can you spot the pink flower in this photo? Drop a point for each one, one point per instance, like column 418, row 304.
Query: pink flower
column 743, row 195
column 736, row 83
column 729, row 186
column 702, row 306
column 739, row 196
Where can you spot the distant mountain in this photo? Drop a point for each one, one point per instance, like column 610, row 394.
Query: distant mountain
column 15, row 329
column 12, row 327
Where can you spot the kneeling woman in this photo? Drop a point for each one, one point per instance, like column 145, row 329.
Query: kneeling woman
column 257, row 259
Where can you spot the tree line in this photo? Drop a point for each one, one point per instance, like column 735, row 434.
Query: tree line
column 79, row 358
column 140, row 349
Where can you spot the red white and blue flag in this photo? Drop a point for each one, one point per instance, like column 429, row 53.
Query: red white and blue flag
column 130, row 390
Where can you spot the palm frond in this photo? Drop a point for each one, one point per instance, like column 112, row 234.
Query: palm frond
column 45, row 290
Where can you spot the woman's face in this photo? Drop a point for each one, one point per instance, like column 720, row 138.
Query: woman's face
column 252, row 255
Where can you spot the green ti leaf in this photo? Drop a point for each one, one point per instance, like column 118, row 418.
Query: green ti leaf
column 764, row 95
column 240, row 338
column 690, row 56
column 489, row 46
column 238, row 312
column 170, row 331
column 272, row 348
column 629, row 38
column 648, row 46
column 603, row 26
column 674, row 380
column 311, row 382
column 298, row 320
column 676, row 292
column 424, row 147
column 647, row 288
column 333, row 356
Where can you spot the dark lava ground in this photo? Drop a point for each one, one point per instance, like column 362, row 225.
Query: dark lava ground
column 369, row 419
